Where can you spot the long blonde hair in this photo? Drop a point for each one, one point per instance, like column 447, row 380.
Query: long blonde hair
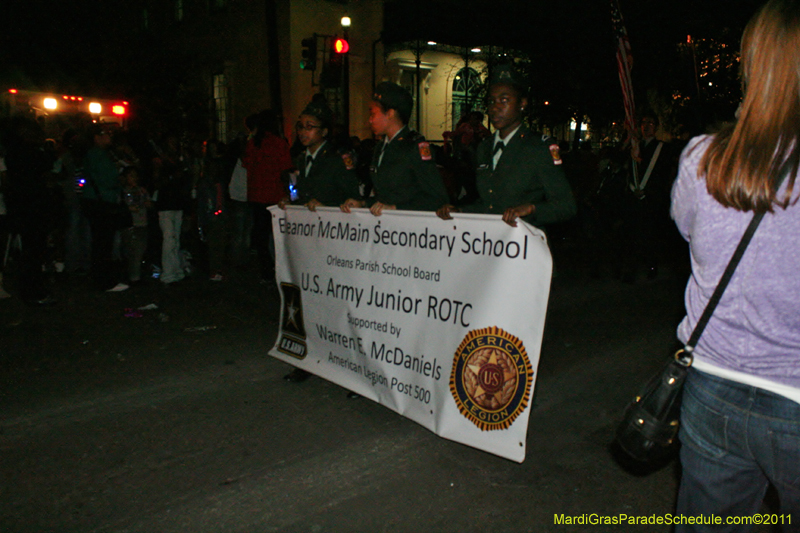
column 743, row 162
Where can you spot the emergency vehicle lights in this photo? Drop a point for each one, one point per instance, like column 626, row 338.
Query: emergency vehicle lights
column 341, row 46
column 50, row 103
column 95, row 107
column 118, row 109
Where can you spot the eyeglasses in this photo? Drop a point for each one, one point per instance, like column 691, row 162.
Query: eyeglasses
column 309, row 127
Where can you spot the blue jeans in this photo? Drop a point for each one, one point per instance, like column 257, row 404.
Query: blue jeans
column 736, row 440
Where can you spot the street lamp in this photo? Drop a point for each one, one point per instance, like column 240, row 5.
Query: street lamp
column 345, row 22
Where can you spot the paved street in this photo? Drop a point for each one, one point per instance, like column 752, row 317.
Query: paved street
column 116, row 424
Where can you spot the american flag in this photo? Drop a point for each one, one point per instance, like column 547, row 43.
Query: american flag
column 624, row 64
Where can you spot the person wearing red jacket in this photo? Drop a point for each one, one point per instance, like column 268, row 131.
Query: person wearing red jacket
column 266, row 157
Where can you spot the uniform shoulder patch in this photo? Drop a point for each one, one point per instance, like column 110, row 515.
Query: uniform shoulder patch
column 347, row 158
column 425, row 150
column 555, row 152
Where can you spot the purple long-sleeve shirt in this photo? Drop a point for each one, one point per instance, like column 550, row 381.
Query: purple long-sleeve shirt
column 755, row 329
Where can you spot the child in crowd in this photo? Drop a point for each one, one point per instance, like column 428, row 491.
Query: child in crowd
column 134, row 239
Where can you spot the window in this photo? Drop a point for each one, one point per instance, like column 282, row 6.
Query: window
column 467, row 92
column 221, row 107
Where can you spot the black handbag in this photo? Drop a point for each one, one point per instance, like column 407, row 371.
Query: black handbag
column 650, row 422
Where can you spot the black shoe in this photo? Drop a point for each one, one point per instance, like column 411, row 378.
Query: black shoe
column 297, row 376
column 353, row 395
column 44, row 302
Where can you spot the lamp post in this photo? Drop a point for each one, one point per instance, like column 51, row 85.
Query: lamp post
column 345, row 22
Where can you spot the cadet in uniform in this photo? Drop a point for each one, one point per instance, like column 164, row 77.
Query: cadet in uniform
column 518, row 172
column 326, row 176
column 404, row 175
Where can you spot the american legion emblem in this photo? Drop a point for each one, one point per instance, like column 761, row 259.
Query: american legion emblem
column 491, row 378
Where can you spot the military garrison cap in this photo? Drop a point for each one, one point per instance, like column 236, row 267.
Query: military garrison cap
column 320, row 110
column 392, row 96
column 508, row 75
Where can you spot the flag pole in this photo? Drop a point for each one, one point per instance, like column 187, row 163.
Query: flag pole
column 624, row 66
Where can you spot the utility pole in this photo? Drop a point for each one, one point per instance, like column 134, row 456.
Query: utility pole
column 418, row 75
column 273, row 57
column 346, row 77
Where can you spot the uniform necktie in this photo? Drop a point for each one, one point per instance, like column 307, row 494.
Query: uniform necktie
column 498, row 152
column 380, row 156
column 309, row 160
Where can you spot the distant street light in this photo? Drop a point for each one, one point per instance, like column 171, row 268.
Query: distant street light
column 345, row 21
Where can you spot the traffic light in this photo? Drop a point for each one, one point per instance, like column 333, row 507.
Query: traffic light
column 309, row 54
column 332, row 69
column 340, row 46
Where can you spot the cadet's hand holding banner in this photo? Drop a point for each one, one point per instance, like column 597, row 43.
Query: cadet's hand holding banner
column 441, row 321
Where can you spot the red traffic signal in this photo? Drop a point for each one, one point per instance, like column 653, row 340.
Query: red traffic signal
column 341, row 46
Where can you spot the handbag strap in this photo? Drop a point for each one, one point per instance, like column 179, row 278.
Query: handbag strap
column 727, row 275
column 723, row 282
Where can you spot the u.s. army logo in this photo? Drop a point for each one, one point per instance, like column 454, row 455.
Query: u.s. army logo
column 491, row 378
column 293, row 331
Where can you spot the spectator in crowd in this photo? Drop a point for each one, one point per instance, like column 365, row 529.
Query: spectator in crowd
column 4, row 229
column 740, row 411
column 172, row 196
column 266, row 158
column 134, row 239
column 240, row 216
column 30, row 204
column 101, row 204
column 212, row 209
column 78, row 237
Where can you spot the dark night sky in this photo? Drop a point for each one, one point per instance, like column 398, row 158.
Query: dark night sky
column 537, row 23
column 62, row 43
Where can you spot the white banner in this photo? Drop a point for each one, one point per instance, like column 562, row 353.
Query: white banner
column 440, row 321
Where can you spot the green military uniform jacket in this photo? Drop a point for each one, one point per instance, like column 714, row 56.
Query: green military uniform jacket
column 407, row 176
column 527, row 173
column 331, row 179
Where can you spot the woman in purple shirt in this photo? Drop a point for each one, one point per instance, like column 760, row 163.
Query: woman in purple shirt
column 740, row 420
